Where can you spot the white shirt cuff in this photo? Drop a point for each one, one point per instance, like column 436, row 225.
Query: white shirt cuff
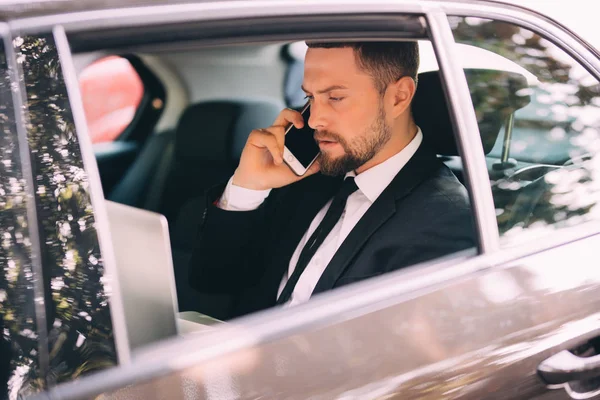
column 236, row 198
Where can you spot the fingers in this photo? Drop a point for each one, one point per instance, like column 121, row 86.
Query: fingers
column 279, row 133
column 263, row 138
column 289, row 116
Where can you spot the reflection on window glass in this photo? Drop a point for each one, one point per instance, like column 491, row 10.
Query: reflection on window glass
column 19, row 364
column 544, row 164
column 78, row 314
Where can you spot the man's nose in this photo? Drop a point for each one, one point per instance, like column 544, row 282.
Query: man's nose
column 317, row 119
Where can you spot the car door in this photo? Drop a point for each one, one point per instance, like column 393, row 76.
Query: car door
column 543, row 180
column 462, row 327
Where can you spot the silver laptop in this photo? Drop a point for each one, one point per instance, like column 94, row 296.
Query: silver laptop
column 145, row 272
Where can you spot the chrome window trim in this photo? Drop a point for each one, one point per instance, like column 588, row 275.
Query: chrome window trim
column 178, row 13
column 467, row 133
column 19, row 105
column 96, row 195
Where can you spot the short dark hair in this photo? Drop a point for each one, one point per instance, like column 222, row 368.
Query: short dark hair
column 386, row 62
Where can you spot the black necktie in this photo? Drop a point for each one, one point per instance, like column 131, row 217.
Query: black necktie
column 316, row 239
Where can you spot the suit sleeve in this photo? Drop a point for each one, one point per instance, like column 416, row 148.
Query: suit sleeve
column 229, row 252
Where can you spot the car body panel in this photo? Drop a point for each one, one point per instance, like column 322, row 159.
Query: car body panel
column 515, row 316
column 398, row 336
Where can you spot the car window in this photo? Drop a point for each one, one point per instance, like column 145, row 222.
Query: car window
column 80, row 330
column 112, row 91
column 210, row 156
column 543, row 164
column 19, row 333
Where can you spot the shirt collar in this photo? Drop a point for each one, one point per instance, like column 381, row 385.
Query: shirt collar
column 373, row 181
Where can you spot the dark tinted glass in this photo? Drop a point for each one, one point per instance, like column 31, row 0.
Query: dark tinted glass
column 78, row 314
column 19, row 337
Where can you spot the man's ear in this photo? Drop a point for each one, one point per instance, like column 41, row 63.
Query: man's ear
column 400, row 94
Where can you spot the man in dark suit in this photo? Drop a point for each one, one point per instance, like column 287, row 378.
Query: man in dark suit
column 377, row 200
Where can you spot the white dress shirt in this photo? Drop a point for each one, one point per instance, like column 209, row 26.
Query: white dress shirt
column 371, row 184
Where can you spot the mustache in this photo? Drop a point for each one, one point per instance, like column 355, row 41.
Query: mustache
column 329, row 136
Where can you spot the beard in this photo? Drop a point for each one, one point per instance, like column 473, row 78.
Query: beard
column 359, row 151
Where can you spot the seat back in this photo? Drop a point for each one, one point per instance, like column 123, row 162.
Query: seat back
column 495, row 95
column 209, row 141
column 138, row 181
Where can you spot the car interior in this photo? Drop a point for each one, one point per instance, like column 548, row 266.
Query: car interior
column 201, row 103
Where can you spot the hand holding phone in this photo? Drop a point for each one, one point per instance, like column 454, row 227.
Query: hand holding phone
column 262, row 163
column 301, row 150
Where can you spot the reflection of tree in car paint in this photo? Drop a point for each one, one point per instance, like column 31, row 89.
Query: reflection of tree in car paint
column 77, row 310
column 559, row 127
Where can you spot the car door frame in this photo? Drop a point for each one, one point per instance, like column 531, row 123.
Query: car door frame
column 364, row 296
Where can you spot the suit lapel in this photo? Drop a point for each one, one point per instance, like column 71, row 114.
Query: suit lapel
column 418, row 168
column 308, row 198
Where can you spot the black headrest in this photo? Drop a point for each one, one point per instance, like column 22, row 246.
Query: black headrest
column 216, row 131
column 495, row 95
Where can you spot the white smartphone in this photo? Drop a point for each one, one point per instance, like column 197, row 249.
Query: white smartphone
column 301, row 150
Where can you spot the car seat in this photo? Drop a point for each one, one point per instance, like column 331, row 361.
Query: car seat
column 209, row 140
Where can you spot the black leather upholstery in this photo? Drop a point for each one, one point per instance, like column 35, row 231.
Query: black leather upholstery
column 209, row 140
column 208, row 143
column 135, row 184
column 495, row 95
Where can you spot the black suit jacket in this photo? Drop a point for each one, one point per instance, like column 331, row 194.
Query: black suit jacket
column 424, row 213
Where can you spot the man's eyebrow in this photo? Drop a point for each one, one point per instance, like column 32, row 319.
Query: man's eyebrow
column 329, row 89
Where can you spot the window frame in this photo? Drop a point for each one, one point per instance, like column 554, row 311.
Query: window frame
column 41, row 298
column 96, row 193
column 462, row 114
column 32, row 215
column 457, row 258
column 394, row 288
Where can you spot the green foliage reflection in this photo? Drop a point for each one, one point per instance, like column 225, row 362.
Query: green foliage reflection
column 555, row 138
column 19, row 347
column 78, row 313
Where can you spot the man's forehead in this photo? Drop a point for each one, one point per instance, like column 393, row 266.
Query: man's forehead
column 323, row 58
column 335, row 66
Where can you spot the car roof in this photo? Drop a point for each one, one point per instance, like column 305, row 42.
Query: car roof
column 572, row 17
column 14, row 9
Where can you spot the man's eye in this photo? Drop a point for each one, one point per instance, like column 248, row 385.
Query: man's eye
column 336, row 98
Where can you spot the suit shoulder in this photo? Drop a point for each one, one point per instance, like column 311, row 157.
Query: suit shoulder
column 443, row 187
